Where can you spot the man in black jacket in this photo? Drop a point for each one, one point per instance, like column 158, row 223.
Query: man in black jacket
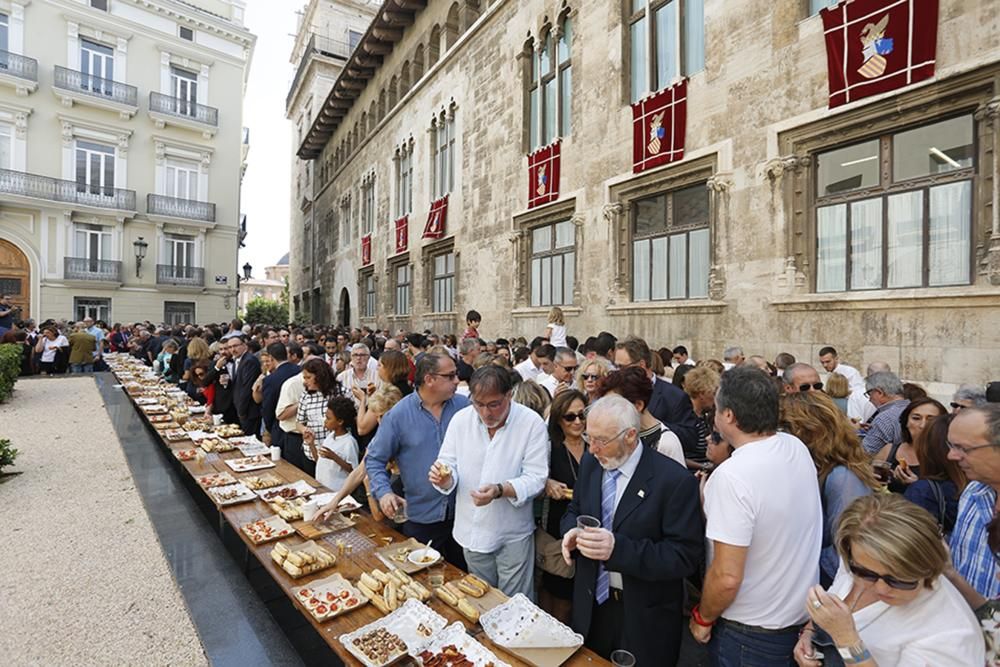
column 246, row 370
column 280, row 371
column 628, row 590
column 668, row 403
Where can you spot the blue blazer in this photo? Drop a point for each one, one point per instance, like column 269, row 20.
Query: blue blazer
column 671, row 405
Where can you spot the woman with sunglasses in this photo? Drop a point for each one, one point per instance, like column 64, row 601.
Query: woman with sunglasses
column 567, row 422
column 589, row 375
column 889, row 604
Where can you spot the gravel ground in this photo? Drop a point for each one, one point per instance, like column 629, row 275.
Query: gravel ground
column 83, row 580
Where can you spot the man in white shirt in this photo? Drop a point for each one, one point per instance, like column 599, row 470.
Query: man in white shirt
column 732, row 357
column 563, row 372
column 496, row 455
column 360, row 374
column 288, row 403
column 681, row 356
column 539, row 361
column 832, row 364
column 764, row 525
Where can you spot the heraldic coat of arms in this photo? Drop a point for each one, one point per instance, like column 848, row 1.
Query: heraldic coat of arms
column 875, row 46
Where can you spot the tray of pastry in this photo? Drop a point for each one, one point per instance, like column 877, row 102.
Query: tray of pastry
column 228, row 430
column 388, row 591
column 386, row 640
column 216, row 479
column 302, row 559
column 265, row 530
column 289, row 510
column 248, row 463
column 188, row 454
column 175, row 435
column 212, row 444
column 159, row 419
column 297, row 489
column 161, row 427
column 145, row 400
column 155, row 409
column 329, row 597
column 250, row 446
column 453, row 647
column 231, row 494
column 265, row 480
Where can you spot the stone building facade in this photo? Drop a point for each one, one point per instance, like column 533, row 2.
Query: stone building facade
column 786, row 226
column 121, row 153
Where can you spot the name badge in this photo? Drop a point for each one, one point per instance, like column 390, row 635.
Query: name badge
column 642, row 493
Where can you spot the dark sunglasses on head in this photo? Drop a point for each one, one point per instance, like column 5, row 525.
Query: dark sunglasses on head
column 591, row 376
column 956, row 406
column 574, row 416
column 806, row 387
column 891, row 582
column 570, row 369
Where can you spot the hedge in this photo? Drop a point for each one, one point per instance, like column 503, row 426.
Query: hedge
column 10, row 368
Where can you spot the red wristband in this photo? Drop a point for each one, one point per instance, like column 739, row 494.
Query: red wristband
column 696, row 615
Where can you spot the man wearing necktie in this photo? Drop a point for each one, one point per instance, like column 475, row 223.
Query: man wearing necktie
column 628, row 588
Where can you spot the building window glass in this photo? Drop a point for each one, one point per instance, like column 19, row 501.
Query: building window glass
column 95, row 168
column 896, row 211
column 179, row 255
column 98, row 309
column 404, row 280
column 93, row 242
column 353, row 39
column 553, row 264
column 184, row 90
column 178, row 312
column 404, row 182
column 670, row 245
column 345, row 220
column 6, row 147
column 443, row 287
column 4, row 36
column 367, row 205
column 97, row 64
column 443, row 175
column 368, row 282
column 182, row 180
column 666, row 42
column 550, row 89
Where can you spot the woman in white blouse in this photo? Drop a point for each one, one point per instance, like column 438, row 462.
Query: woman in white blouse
column 889, row 604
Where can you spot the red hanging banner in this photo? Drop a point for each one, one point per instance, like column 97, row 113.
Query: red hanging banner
column 366, row 250
column 434, row 229
column 874, row 46
column 402, row 234
column 543, row 175
column 658, row 126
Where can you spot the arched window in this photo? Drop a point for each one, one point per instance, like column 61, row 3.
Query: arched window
column 452, row 27
column 418, row 63
column 381, row 105
column 404, row 79
column 392, row 93
column 372, row 117
column 363, row 127
column 550, row 85
column 434, row 46
column 469, row 14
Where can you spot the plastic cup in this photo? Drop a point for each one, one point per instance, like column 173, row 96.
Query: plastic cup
column 586, row 521
column 622, row 658
column 275, row 453
column 217, row 420
column 400, row 516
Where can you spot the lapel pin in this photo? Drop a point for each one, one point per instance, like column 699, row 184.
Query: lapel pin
column 642, row 493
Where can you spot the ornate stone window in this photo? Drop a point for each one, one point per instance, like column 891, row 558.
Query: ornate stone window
column 665, row 41
column 401, row 274
column 404, row 178
column 549, row 79
column 367, row 288
column 547, row 243
column 368, row 203
column 443, row 152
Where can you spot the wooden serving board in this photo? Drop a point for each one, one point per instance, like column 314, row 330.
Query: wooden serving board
column 310, row 531
column 390, row 551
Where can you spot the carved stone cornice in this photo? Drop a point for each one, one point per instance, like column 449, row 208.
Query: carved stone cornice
column 719, row 183
column 612, row 211
column 777, row 167
column 989, row 111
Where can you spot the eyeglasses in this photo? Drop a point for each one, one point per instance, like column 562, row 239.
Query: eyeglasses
column 957, row 406
column 569, row 369
column 815, row 385
column 598, row 442
column 593, row 377
column 492, row 405
column 873, row 577
column 574, row 416
column 447, row 376
column 360, row 356
column 964, row 451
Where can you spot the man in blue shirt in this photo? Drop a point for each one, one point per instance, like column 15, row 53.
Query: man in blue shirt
column 412, row 433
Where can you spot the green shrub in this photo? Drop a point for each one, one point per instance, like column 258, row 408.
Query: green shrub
column 10, row 368
column 263, row 311
column 7, row 454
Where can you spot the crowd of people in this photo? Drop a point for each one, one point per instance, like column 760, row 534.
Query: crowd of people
column 778, row 517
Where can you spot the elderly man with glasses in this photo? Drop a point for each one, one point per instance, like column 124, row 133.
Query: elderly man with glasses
column 360, row 374
column 801, row 377
column 974, row 444
column 885, row 391
column 563, row 371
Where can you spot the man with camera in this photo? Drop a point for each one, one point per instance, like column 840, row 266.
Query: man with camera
column 8, row 312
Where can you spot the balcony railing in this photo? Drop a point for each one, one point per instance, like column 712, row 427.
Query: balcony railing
column 180, row 208
column 182, row 108
column 54, row 189
column 17, row 65
column 84, row 268
column 321, row 45
column 114, row 91
column 168, row 274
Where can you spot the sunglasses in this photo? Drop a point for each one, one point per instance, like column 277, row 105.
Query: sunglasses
column 593, row 377
column 806, row 387
column 574, row 416
column 872, row 577
column 957, row 406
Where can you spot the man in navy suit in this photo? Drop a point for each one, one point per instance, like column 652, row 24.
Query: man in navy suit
column 668, row 403
column 281, row 370
column 628, row 589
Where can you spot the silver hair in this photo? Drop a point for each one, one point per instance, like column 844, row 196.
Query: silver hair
column 886, row 382
column 789, row 372
column 878, row 367
column 733, row 352
column 362, row 346
column 619, row 408
column 971, row 392
column 565, row 352
column 468, row 345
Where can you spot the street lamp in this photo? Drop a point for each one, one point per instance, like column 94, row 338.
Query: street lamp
column 140, row 254
column 246, row 271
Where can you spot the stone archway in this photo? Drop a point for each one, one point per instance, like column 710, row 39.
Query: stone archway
column 344, row 312
column 15, row 277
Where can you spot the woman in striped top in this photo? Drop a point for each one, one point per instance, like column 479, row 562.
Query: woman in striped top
column 320, row 386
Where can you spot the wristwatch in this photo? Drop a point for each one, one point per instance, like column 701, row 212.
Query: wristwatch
column 854, row 654
column 499, row 490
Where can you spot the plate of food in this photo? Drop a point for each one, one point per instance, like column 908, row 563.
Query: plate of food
column 187, row 454
column 159, row 419
column 424, row 557
column 454, row 646
column 175, row 435
column 388, row 591
column 228, row 430
column 265, row 530
column 155, row 409
column 231, row 494
column 302, row 559
column 196, row 409
column 216, row 479
column 296, row 489
column 348, row 504
column 248, row 463
column 398, row 555
column 289, row 510
column 161, row 427
column 145, row 400
column 518, row 623
column 251, row 448
column 265, row 480
column 388, row 639
column 326, row 598
column 217, row 445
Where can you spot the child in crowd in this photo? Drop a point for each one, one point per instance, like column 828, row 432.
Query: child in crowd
column 338, row 455
column 555, row 330
column 473, row 319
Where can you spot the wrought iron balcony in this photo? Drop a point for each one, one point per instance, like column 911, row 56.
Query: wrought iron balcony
column 180, row 208
column 168, row 274
column 84, row 268
column 95, row 86
column 18, row 65
column 53, row 189
column 323, row 46
column 182, row 108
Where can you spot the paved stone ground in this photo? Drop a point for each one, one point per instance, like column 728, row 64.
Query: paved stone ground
column 83, row 580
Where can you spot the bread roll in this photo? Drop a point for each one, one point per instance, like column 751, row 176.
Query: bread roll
column 468, row 611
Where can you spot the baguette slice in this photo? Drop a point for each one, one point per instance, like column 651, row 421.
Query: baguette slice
column 468, row 611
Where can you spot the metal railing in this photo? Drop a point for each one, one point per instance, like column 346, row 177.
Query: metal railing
column 20, row 66
column 84, row 268
column 54, row 189
column 317, row 44
column 180, row 208
column 70, row 79
column 168, row 274
column 182, row 108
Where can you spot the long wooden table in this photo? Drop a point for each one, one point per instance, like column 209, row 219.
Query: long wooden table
column 349, row 564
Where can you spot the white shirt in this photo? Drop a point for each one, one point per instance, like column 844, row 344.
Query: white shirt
column 50, row 347
column 858, row 405
column 627, row 470
column 854, row 379
column 328, row 473
column 670, row 446
column 937, row 628
column 528, row 370
column 766, row 497
column 557, row 334
column 348, row 380
column 518, row 454
column 549, row 382
column 291, row 391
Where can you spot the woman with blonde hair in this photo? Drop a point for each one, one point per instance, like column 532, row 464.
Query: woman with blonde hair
column 197, row 350
column 589, row 375
column 843, row 468
column 838, row 389
column 889, row 604
column 532, row 395
column 555, row 329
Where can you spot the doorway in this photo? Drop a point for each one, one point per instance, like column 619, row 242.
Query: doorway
column 15, row 277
